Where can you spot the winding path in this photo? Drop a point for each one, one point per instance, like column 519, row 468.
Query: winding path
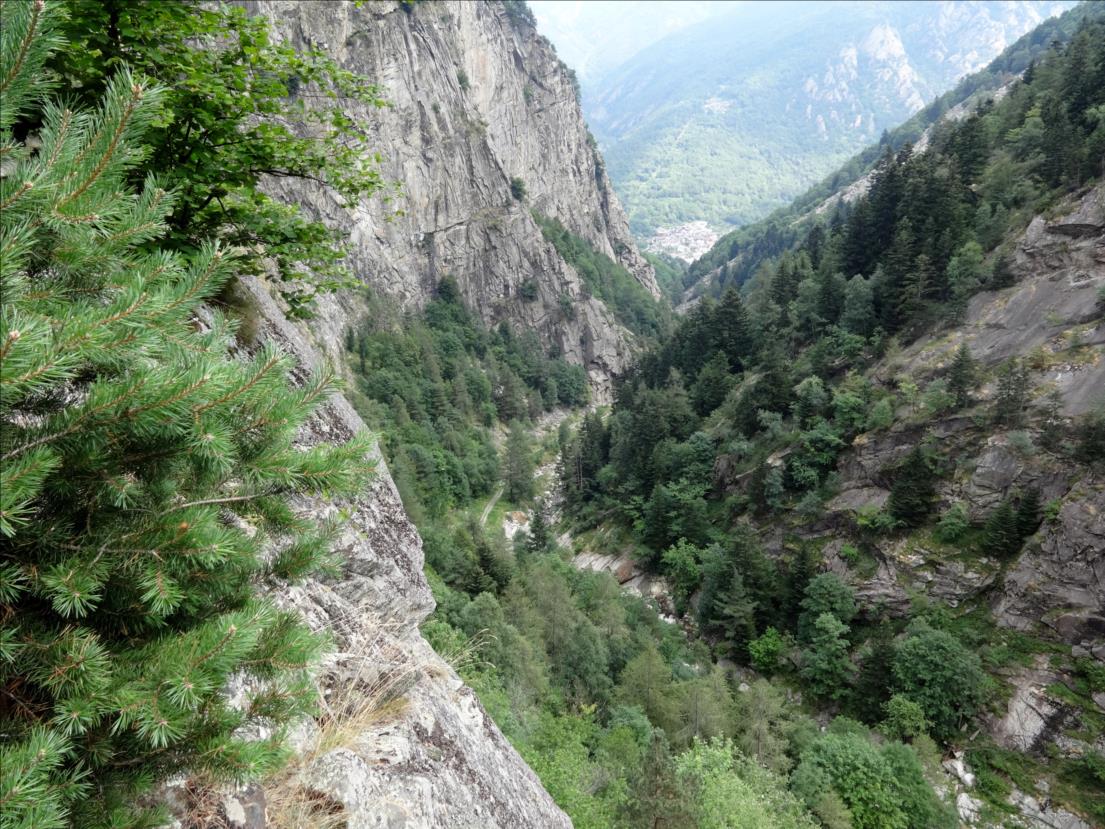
column 491, row 505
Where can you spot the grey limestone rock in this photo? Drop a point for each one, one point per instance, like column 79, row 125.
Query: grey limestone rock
column 474, row 102
column 434, row 758
column 1058, row 273
column 1059, row 580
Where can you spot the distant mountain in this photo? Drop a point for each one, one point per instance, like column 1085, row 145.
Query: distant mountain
column 728, row 119
column 597, row 36
column 737, row 255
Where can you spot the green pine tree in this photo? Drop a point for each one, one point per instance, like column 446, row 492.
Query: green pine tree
column 825, row 664
column 734, row 331
column 1028, row 513
column 872, row 686
column 914, row 488
column 1002, row 535
column 735, row 612
column 712, row 384
column 540, row 537
column 962, row 376
column 142, row 469
column 518, row 465
column 1012, row 393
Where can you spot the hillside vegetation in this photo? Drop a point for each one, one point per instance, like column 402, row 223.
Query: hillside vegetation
column 729, row 119
column 201, row 552
column 743, row 250
column 727, row 443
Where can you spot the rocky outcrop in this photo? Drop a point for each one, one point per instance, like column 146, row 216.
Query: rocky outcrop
column 477, row 102
column 1032, row 714
column 404, row 743
column 631, row 577
column 1049, row 314
column 1059, row 581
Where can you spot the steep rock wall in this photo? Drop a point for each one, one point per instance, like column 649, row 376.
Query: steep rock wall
column 428, row 756
column 475, row 100
column 1048, row 317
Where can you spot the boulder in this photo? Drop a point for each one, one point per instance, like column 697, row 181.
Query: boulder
column 1043, row 815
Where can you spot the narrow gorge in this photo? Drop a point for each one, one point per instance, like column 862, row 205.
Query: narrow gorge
column 363, row 470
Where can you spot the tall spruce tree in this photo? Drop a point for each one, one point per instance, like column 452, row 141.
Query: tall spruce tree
column 962, row 376
column 1012, row 393
column 518, row 464
column 540, row 537
column 1028, row 512
column 914, row 488
column 734, row 331
column 142, row 470
column 825, row 664
column 1002, row 534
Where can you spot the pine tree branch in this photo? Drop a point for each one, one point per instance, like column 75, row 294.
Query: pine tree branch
column 168, row 401
column 13, row 335
column 18, row 194
column 24, row 47
column 238, row 392
column 230, row 499
column 73, row 427
column 109, row 153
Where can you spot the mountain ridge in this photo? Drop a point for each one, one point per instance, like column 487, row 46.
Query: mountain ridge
column 742, row 250
column 747, row 111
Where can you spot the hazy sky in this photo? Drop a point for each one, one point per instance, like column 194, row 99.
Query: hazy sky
column 595, row 36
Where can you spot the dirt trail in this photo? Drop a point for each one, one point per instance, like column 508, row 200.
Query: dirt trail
column 491, row 505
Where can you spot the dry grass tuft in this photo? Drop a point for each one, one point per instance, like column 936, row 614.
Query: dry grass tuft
column 360, row 691
column 203, row 803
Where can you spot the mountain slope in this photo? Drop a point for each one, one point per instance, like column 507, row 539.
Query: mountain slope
column 734, row 258
column 482, row 127
column 727, row 119
column 878, row 471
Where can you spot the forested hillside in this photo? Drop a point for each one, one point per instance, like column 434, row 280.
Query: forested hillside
column 730, row 118
column 736, row 256
column 328, row 369
column 789, row 456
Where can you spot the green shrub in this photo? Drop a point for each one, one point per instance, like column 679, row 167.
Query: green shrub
column 953, row 524
column 882, row 415
column 765, row 651
column 933, row 669
column 875, row 520
column 904, row 718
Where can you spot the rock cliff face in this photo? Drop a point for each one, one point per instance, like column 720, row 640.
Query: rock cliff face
column 404, row 743
column 477, row 101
